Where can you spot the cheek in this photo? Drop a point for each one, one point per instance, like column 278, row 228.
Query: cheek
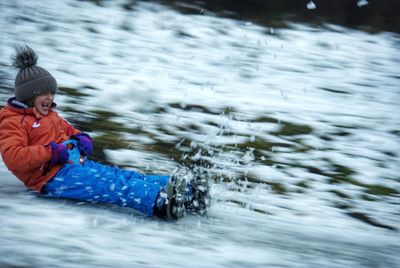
column 37, row 103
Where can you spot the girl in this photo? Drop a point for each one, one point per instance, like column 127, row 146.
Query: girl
column 35, row 145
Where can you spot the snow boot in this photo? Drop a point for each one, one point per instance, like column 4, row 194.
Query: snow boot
column 197, row 192
column 185, row 192
column 176, row 196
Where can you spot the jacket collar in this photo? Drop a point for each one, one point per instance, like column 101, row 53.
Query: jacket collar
column 16, row 104
column 22, row 108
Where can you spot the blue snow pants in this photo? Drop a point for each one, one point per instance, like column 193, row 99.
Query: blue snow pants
column 98, row 183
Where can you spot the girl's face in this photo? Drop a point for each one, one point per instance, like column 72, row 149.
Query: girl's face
column 42, row 103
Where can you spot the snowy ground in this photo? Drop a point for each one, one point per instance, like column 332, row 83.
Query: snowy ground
column 38, row 232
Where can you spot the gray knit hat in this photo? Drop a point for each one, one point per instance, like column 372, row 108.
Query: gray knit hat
column 31, row 80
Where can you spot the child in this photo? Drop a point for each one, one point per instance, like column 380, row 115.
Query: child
column 33, row 146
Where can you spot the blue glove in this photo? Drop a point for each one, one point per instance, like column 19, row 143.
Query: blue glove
column 85, row 143
column 59, row 153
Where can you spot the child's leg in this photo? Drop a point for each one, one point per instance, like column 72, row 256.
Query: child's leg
column 162, row 180
column 95, row 182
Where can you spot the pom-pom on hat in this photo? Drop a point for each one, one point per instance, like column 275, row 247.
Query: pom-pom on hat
column 31, row 80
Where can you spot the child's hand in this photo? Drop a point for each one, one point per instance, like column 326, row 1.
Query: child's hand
column 59, row 153
column 85, row 143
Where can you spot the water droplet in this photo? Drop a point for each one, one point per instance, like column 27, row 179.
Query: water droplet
column 311, row 5
column 362, row 3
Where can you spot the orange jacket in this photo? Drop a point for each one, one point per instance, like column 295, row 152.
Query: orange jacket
column 25, row 135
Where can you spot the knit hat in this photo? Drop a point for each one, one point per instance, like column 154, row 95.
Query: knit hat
column 31, row 80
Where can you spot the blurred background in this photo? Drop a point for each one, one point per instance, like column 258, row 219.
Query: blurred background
column 291, row 105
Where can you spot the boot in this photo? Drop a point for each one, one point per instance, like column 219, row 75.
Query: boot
column 174, row 204
column 180, row 196
column 197, row 192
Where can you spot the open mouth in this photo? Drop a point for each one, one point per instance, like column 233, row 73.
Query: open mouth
column 46, row 105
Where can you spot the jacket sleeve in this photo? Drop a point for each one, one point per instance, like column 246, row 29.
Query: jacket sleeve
column 16, row 153
column 68, row 128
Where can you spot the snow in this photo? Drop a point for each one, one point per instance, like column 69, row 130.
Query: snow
column 332, row 79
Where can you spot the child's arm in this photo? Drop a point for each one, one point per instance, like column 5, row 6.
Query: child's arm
column 68, row 128
column 84, row 141
column 16, row 153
